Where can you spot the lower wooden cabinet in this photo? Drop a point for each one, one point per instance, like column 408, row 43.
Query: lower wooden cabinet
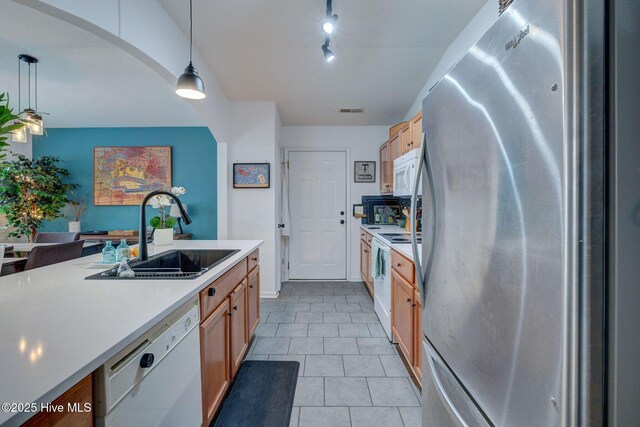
column 215, row 359
column 238, row 315
column 402, row 315
column 226, row 332
column 365, row 265
column 80, row 397
column 406, row 312
column 417, row 362
column 253, row 301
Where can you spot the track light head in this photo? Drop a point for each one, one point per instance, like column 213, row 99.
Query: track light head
column 329, row 23
column 328, row 54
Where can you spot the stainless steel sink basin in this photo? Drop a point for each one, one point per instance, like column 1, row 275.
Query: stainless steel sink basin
column 182, row 264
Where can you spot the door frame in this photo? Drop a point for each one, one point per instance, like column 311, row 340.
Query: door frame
column 348, row 218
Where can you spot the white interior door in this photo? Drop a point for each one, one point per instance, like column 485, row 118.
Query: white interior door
column 317, row 200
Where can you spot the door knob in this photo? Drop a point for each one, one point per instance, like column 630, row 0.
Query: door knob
column 341, row 212
column 342, row 221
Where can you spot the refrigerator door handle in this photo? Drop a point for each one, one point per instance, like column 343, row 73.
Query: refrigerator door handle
column 441, row 391
column 423, row 163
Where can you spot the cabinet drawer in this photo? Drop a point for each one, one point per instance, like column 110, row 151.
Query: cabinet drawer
column 216, row 292
column 254, row 259
column 363, row 235
column 404, row 266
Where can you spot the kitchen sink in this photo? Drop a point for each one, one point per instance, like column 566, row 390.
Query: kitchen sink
column 179, row 264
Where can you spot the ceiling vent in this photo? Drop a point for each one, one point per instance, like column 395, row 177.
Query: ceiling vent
column 352, row 110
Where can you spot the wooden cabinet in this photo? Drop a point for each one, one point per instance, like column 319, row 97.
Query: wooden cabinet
column 79, row 398
column 415, row 129
column 230, row 314
column 397, row 128
column 238, row 333
column 406, row 312
column 214, row 358
column 405, row 139
column 253, row 301
column 386, row 171
column 402, row 315
column 404, row 266
column 365, row 265
column 417, row 353
column 395, row 151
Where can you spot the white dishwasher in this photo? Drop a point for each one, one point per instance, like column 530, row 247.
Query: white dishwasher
column 155, row 381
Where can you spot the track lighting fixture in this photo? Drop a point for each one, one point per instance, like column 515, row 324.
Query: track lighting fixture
column 190, row 85
column 330, row 21
column 328, row 54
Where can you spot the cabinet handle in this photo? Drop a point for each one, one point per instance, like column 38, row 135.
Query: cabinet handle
column 230, row 313
column 413, row 305
column 255, row 259
column 366, row 251
column 211, row 292
column 235, row 307
column 399, row 265
column 251, row 286
column 408, row 299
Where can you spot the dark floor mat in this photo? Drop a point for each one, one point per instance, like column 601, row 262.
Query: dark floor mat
column 262, row 395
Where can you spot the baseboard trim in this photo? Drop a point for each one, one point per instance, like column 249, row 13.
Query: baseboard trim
column 271, row 294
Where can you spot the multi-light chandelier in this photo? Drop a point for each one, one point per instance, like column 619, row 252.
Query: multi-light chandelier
column 30, row 117
column 328, row 27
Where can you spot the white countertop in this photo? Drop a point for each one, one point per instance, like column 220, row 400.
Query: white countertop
column 56, row 327
column 404, row 248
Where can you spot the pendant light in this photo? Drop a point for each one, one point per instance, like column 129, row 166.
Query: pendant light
column 190, row 84
column 33, row 122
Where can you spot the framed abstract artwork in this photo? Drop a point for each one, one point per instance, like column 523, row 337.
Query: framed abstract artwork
column 124, row 175
column 251, row 175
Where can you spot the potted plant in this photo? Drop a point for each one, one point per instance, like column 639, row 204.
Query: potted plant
column 78, row 206
column 9, row 123
column 162, row 223
column 32, row 191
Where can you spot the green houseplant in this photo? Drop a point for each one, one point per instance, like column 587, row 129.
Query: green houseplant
column 162, row 223
column 32, row 191
column 8, row 124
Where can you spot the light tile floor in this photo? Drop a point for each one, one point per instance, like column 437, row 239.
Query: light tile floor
column 350, row 375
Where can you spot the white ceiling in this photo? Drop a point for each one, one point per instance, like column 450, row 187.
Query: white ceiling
column 84, row 81
column 269, row 50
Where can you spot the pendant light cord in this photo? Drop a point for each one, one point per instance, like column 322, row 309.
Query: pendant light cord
column 190, row 31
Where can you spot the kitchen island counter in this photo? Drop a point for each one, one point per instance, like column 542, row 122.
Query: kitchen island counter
column 57, row 327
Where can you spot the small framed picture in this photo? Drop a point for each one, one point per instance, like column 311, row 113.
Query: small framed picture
column 251, row 175
column 364, row 171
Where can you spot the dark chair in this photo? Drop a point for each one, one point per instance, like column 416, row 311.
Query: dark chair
column 41, row 256
column 56, row 237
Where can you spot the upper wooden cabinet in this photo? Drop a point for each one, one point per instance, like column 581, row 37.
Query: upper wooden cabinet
column 405, row 139
column 415, row 129
column 386, row 172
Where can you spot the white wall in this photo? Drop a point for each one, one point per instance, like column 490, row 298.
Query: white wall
column 252, row 212
column 478, row 25
column 361, row 143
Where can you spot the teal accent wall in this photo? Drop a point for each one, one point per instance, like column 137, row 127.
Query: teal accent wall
column 194, row 167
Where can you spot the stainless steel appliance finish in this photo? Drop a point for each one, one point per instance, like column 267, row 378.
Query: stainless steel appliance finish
column 503, row 226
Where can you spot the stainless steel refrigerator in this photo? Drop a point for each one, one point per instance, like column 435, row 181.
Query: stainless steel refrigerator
column 513, row 266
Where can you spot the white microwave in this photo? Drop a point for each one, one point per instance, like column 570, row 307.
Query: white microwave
column 404, row 173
